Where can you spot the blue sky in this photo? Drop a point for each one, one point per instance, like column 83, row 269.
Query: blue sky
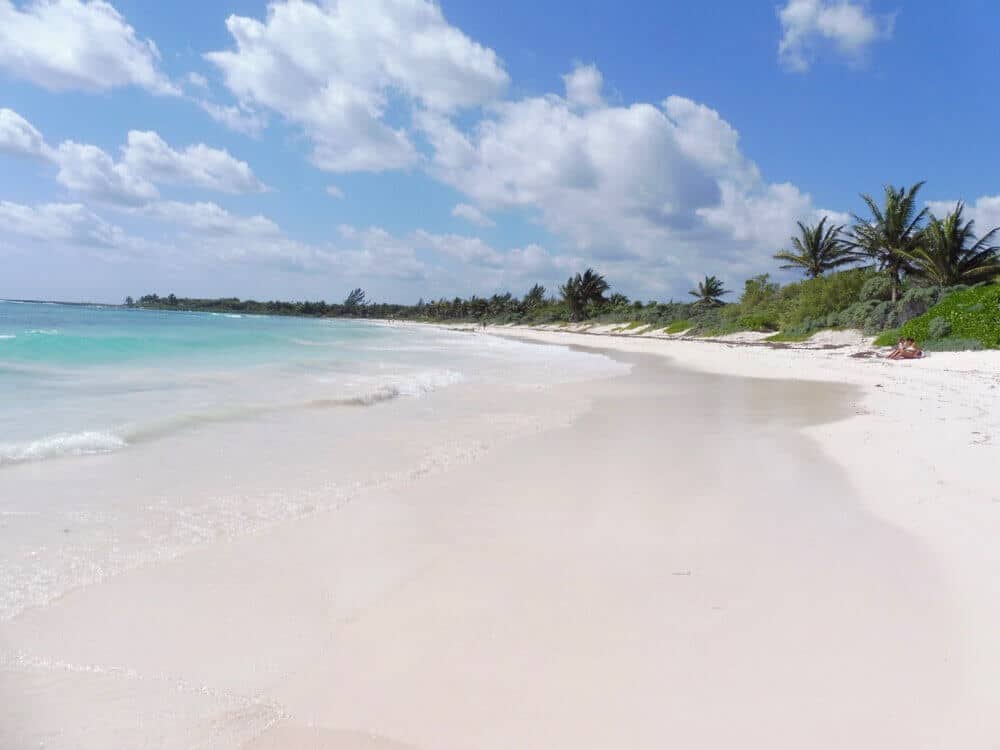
column 297, row 149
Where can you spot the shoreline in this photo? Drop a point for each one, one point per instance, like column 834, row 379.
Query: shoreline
column 695, row 543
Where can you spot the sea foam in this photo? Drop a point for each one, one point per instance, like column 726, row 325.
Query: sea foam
column 63, row 444
column 417, row 384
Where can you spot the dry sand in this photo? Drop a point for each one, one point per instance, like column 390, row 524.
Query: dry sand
column 700, row 561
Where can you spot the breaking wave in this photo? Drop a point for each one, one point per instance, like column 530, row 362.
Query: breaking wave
column 93, row 442
column 63, row 444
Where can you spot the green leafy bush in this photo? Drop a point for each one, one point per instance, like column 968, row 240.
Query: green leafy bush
column 868, row 315
column 758, row 321
column 816, row 299
column 938, row 328
column 877, row 288
column 709, row 321
column 974, row 314
column 952, row 345
column 882, row 316
column 854, row 316
column 759, row 308
column 679, row 326
column 887, row 338
column 915, row 302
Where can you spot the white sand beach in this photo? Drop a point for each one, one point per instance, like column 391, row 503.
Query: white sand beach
column 731, row 546
column 452, row 375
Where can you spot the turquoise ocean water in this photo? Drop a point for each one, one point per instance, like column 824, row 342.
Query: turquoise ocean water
column 130, row 436
column 81, row 380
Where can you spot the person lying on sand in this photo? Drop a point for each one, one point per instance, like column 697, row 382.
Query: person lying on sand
column 906, row 349
column 910, row 350
column 897, row 353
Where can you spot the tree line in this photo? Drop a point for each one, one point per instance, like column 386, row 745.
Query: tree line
column 901, row 242
column 897, row 242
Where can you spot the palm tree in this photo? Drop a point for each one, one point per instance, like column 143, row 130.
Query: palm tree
column 500, row 304
column 355, row 299
column 892, row 234
column 819, row 250
column 950, row 253
column 709, row 292
column 581, row 290
column 534, row 297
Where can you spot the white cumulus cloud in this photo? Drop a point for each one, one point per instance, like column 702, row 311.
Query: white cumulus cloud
column 70, row 223
column 197, row 80
column 375, row 253
column 335, row 69
column 147, row 154
column 472, row 214
column 238, row 119
column 480, row 268
column 210, row 218
column 146, row 161
column 208, row 233
column 20, row 137
column 645, row 192
column 583, row 86
column 84, row 45
column 849, row 27
column 470, row 250
column 88, row 170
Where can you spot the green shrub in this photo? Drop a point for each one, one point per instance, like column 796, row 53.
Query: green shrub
column 877, row 288
column 804, row 330
column 759, row 308
column 679, row 326
column 888, row 338
column 974, row 314
column 709, row 321
column 875, row 315
column 758, row 321
column 882, row 316
column 938, row 328
column 816, row 299
column 916, row 301
column 871, row 316
column 952, row 345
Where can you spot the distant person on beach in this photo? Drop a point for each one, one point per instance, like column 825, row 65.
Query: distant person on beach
column 906, row 349
column 912, row 351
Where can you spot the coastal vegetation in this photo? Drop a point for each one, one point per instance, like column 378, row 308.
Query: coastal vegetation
column 899, row 271
column 818, row 250
column 950, row 254
column 583, row 291
column 709, row 292
column 891, row 235
column 969, row 318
